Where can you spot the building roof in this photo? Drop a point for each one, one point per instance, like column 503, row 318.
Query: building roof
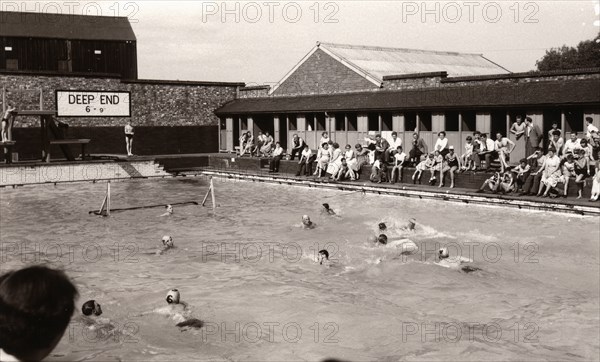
column 375, row 63
column 65, row 26
column 548, row 93
column 382, row 61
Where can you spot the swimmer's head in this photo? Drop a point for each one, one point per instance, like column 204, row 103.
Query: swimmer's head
column 323, row 255
column 91, row 307
column 326, row 206
column 173, row 296
column 382, row 226
column 443, row 253
column 411, row 223
column 169, row 209
column 306, row 220
column 382, row 239
column 167, row 241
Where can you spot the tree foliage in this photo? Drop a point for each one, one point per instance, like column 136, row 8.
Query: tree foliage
column 585, row 55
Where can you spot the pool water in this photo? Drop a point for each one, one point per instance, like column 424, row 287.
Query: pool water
column 248, row 271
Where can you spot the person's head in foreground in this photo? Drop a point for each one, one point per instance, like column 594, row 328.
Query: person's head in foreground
column 36, row 305
column 443, row 253
column 167, row 241
column 173, row 296
column 91, row 307
column 323, row 256
column 306, row 220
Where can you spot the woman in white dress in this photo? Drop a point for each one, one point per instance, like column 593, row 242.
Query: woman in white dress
column 336, row 160
column 322, row 159
column 351, row 160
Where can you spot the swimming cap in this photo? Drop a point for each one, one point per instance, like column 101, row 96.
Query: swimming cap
column 167, row 240
column 91, row 307
column 443, row 253
column 382, row 239
column 173, row 296
column 382, row 226
column 324, row 252
column 326, row 206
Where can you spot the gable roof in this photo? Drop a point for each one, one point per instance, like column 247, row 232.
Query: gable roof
column 374, row 63
column 65, row 26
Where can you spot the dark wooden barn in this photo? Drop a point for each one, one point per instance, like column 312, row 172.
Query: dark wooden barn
column 59, row 43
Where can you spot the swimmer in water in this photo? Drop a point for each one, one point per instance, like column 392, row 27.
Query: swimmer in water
column 323, row 257
column 410, row 226
column 382, row 227
column 454, row 262
column 178, row 310
column 91, row 307
column 167, row 243
column 169, row 211
column 327, row 210
column 306, row 223
column 91, row 311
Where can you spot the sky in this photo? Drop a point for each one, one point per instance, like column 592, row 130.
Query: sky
column 258, row 42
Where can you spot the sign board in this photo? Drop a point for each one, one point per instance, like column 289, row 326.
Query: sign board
column 72, row 103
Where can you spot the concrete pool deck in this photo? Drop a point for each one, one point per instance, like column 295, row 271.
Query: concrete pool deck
column 227, row 166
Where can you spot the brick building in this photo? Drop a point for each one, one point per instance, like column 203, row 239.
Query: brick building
column 352, row 91
column 42, row 53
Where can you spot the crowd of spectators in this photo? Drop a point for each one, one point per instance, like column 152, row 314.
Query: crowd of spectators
column 538, row 173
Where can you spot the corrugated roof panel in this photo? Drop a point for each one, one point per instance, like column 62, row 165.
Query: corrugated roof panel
column 395, row 61
column 65, row 26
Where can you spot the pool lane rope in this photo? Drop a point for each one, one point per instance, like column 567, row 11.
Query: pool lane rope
column 105, row 209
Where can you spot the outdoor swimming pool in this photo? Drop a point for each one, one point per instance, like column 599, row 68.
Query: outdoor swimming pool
column 249, row 273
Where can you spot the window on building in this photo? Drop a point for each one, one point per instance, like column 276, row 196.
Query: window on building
column 320, row 121
column 340, row 121
column 98, row 52
column 386, row 121
column 410, row 121
column 293, row 122
column 469, row 121
column 352, row 122
column 8, row 49
column 451, row 121
column 373, row 123
column 310, row 122
column 425, row 121
column 244, row 122
column 498, row 123
column 573, row 120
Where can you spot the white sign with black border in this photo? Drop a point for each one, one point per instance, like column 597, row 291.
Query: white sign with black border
column 77, row 103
